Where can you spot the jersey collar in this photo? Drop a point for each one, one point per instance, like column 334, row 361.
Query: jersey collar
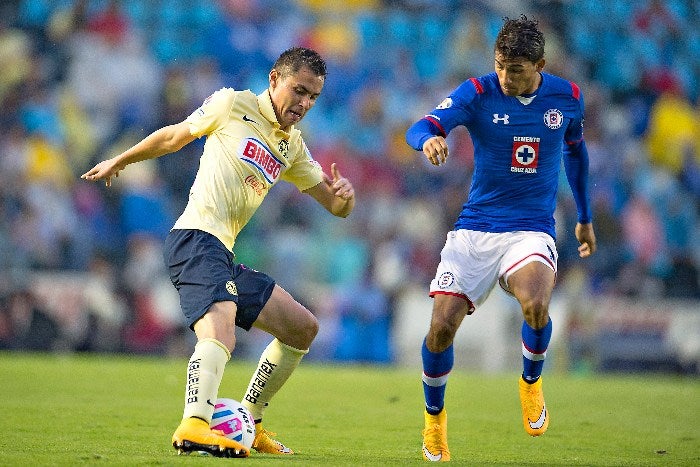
column 528, row 98
column 267, row 111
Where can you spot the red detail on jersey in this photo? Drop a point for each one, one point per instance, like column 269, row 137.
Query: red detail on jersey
column 477, row 85
column 575, row 91
column 437, row 124
column 255, row 184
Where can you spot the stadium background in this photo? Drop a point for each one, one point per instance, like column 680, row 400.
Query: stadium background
column 81, row 266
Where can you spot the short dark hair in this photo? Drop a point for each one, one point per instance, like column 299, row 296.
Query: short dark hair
column 293, row 59
column 520, row 38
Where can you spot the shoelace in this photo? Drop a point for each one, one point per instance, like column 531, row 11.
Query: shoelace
column 531, row 401
column 434, row 435
column 269, row 434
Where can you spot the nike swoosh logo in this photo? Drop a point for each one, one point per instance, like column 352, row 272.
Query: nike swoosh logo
column 430, row 456
column 246, row 119
column 209, row 402
column 540, row 421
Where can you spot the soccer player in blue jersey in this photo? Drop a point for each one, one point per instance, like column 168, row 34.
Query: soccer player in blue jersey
column 521, row 121
column 252, row 143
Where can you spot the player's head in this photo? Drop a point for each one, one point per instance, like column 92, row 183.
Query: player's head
column 292, row 60
column 519, row 56
column 296, row 80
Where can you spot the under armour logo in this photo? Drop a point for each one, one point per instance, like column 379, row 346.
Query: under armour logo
column 504, row 119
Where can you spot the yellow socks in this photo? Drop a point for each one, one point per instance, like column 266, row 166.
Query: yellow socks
column 204, row 372
column 276, row 365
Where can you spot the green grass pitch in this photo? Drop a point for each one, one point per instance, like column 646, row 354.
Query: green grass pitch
column 108, row 410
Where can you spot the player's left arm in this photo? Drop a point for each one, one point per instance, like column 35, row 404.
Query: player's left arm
column 576, row 167
column 336, row 194
column 586, row 238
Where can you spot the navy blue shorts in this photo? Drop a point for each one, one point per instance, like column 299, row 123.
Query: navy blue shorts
column 203, row 272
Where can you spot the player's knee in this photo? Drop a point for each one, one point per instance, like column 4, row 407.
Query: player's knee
column 312, row 328
column 441, row 334
column 439, row 340
column 306, row 332
column 218, row 323
column 536, row 311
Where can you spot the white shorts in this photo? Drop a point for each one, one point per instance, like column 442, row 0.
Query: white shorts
column 471, row 262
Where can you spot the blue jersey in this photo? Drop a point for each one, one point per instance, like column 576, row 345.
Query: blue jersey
column 518, row 147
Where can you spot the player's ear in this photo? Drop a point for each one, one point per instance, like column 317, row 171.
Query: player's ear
column 539, row 66
column 274, row 78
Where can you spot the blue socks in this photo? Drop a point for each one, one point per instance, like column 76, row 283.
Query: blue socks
column 535, row 343
column 437, row 366
column 436, row 369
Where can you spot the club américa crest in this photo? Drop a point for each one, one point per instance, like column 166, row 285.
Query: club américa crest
column 283, row 147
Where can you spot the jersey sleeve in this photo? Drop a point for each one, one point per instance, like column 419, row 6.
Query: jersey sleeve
column 576, row 161
column 304, row 172
column 453, row 111
column 213, row 112
column 574, row 132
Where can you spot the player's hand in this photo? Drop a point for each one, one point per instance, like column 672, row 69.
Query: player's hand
column 435, row 150
column 105, row 170
column 339, row 185
column 586, row 237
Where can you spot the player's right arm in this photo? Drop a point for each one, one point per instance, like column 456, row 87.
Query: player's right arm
column 166, row 140
column 435, row 150
column 428, row 134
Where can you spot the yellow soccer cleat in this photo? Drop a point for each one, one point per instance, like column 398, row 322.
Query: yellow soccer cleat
column 535, row 413
column 435, row 437
column 265, row 443
column 194, row 435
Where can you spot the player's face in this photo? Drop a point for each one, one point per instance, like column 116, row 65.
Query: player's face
column 518, row 75
column 293, row 95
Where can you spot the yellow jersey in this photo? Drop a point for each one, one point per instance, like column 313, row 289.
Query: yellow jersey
column 245, row 154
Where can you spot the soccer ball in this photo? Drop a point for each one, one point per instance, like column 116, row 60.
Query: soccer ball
column 234, row 420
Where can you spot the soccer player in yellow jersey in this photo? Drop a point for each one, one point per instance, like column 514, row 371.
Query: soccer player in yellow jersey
column 251, row 144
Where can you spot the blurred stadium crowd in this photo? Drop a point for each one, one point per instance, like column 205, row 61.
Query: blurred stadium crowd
column 81, row 80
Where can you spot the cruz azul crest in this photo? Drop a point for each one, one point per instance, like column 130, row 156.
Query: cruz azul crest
column 553, row 118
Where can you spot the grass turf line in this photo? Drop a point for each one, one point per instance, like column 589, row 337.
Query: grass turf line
column 116, row 410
